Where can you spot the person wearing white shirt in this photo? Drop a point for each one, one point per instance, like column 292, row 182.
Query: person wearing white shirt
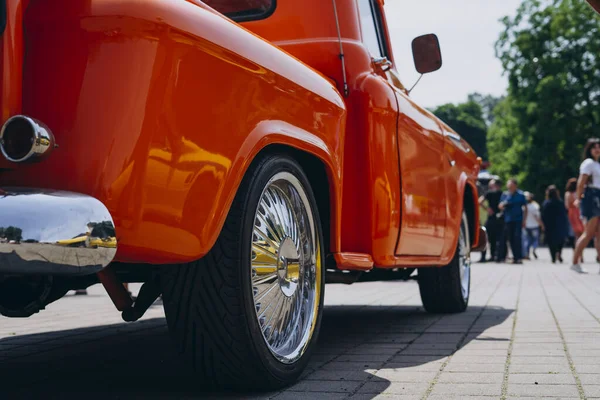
column 587, row 197
column 533, row 225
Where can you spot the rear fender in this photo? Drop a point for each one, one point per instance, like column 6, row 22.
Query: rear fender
column 279, row 134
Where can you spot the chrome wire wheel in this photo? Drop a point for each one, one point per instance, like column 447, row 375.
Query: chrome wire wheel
column 286, row 268
column 464, row 259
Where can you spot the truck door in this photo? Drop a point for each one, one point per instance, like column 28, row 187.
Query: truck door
column 421, row 148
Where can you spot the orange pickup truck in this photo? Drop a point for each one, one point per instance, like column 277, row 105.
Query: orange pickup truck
column 235, row 155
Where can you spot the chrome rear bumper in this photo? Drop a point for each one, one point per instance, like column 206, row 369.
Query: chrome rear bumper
column 50, row 232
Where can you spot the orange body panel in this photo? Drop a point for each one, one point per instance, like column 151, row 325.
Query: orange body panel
column 354, row 261
column 11, row 50
column 159, row 108
column 405, row 178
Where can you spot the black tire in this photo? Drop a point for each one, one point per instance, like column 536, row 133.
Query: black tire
column 441, row 288
column 210, row 304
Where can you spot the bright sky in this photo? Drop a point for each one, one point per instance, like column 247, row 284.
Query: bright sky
column 467, row 30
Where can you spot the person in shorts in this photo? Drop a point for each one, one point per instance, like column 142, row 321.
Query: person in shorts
column 587, row 198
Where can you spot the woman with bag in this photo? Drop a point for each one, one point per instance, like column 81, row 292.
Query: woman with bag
column 556, row 224
column 587, row 197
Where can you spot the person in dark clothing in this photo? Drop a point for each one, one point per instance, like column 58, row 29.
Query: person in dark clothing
column 514, row 206
column 494, row 223
column 556, row 222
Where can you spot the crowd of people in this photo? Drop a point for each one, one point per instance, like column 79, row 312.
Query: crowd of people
column 514, row 217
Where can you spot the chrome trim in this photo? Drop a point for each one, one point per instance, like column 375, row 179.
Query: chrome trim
column 383, row 63
column 42, row 139
column 342, row 55
column 286, row 268
column 62, row 233
column 459, row 141
column 452, row 135
column 482, row 245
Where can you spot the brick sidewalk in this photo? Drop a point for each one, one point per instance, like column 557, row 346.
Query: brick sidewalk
column 532, row 331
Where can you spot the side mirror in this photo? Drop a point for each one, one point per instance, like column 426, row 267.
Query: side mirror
column 426, row 53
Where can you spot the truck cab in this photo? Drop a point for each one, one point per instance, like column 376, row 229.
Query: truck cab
column 407, row 175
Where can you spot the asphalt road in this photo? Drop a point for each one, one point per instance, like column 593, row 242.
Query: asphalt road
column 531, row 331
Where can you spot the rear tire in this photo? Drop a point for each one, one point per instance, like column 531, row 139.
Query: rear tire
column 247, row 315
column 447, row 289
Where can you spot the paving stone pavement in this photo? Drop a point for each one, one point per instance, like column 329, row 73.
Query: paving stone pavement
column 531, row 331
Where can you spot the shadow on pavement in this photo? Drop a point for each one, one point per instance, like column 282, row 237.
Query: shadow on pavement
column 137, row 360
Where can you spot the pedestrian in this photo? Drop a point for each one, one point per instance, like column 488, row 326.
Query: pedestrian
column 514, row 206
column 573, row 212
column 533, row 226
column 483, row 215
column 587, row 197
column 494, row 223
column 556, row 223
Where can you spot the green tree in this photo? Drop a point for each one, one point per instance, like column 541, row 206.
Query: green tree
column 488, row 104
column 506, row 144
column 13, row 233
column 468, row 121
column 549, row 51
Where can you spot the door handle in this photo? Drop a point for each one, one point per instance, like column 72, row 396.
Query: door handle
column 457, row 139
column 382, row 62
column 452, row 135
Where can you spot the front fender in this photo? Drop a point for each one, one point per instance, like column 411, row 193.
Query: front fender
column 455, row 209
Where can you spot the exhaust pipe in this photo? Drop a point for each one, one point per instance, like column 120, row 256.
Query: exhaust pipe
column 23, row 296
column 24, row 139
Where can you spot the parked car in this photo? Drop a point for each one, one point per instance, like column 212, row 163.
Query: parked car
column 242, row 153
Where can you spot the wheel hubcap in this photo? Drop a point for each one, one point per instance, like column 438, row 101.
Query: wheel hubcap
column 286, row 268
column 464, row 262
